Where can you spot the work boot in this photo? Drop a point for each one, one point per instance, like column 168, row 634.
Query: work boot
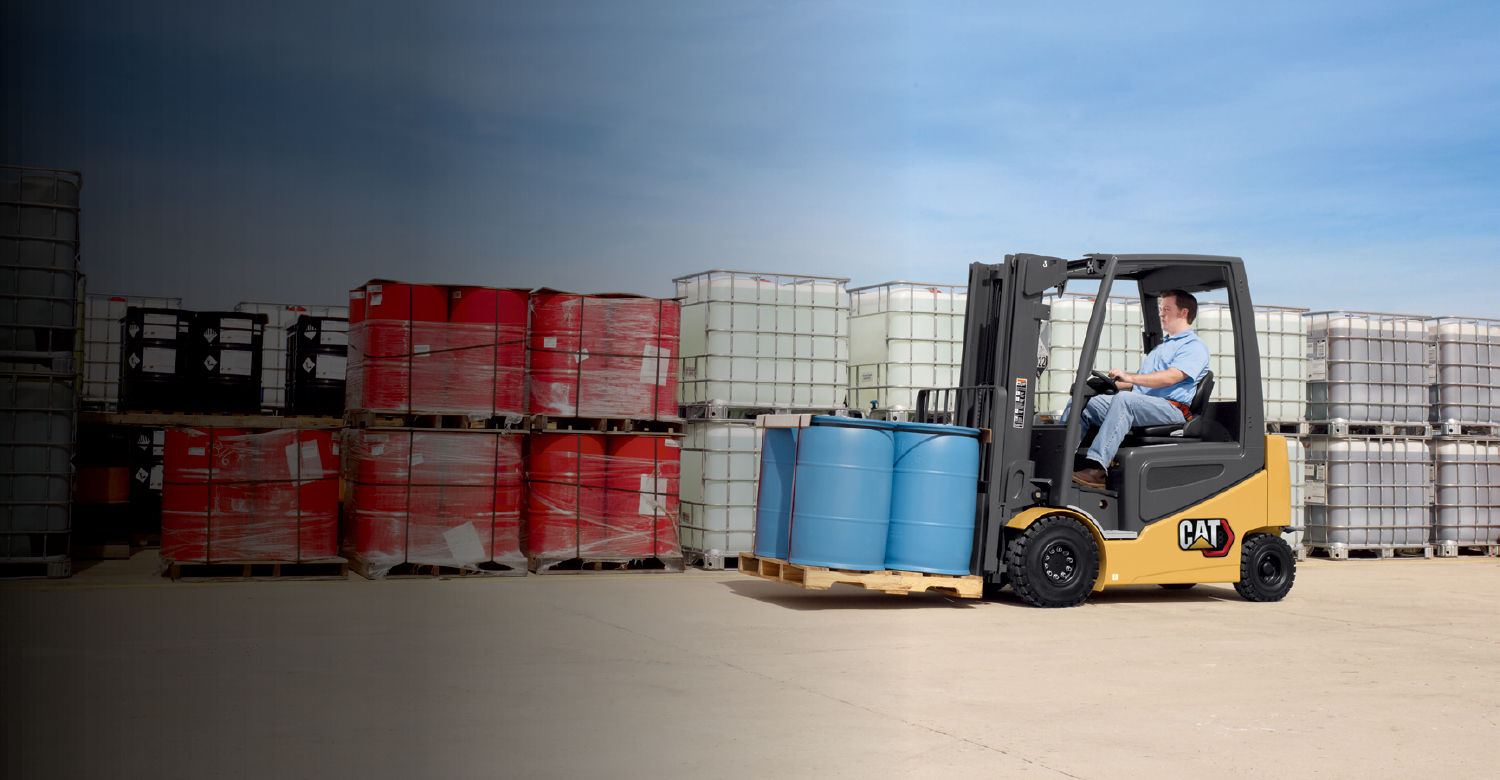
column 1091, row 477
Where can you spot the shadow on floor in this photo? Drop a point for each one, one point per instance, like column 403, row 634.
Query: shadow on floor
column 841, row 597
column 1153, row 594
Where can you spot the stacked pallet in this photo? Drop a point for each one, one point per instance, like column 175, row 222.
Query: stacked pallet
column 236, row 498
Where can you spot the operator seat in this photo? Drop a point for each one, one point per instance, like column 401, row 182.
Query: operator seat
column 1197, row 428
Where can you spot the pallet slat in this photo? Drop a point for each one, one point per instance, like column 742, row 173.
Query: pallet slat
column 242, row 571
column 967, row 586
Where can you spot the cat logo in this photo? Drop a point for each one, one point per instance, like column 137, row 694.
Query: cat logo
column 1213, row 537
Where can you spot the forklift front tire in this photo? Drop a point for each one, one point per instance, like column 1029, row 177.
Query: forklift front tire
column 1267, row 568
column 1053, row 563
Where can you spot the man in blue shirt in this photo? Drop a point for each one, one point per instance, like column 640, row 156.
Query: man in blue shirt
column 1162, row 389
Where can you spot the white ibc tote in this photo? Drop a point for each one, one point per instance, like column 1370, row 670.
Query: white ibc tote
column 1368, row 493
column 903, row 337
column 763, row 340
column 280, row 316
column 1466, row 506
column 1366, row 367
column 1468, row 372
column 102, row 344
column 720, row 471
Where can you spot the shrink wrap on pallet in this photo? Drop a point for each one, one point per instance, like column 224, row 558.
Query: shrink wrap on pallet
column 446, row 498
column 602, row 498
column 234, row 495
column 418, row 349
column 603, row 356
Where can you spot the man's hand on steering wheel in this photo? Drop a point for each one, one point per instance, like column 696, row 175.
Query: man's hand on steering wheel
column 1103, row 383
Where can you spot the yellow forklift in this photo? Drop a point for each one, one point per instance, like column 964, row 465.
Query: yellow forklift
column 1201, row 502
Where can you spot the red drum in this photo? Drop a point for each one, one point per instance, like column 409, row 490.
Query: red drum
column 406, row 302
column 631, row 370
column 565, row 480
column 554, row 342
column 641, row 509
column 230, row 495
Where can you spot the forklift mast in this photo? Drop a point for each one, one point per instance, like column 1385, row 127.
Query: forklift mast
column 1027, row 464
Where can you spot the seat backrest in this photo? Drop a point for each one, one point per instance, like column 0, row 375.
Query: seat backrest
column 1200, row 396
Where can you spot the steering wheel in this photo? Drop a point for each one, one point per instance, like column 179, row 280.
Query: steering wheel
column 1105, row 384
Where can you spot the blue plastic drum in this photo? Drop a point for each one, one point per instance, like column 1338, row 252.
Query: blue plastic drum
column 933, row 493
column 773, row 501
column 841, row 504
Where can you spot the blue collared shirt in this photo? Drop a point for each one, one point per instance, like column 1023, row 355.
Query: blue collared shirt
column 1184, row 352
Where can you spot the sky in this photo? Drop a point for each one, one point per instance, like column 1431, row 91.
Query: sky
column 286, row 152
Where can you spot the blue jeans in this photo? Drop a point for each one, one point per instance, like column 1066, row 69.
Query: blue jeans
column 1115, row 415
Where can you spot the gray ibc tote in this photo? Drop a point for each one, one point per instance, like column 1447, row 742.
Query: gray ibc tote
column 934, row 487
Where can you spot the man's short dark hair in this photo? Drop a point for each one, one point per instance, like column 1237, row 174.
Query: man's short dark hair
column 1185, row 301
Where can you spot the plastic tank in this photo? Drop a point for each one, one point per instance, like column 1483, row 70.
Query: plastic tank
column 773, row 513
column 841, row 499
column 1467, row 504
column 720, row 471
column 934, row 484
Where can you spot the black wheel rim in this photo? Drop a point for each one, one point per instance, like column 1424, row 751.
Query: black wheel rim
column 1270, row 570
column 1060, row 563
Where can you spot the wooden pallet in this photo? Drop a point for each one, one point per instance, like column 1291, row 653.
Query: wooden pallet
column 243, row 571
column 668, row 565
column 431, row 571
column 141, row 541
column 364, row 418
column 208, row 420
column 544, row 423
column 967, row 586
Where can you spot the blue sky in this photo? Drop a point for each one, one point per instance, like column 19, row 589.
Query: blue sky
column 275, row 152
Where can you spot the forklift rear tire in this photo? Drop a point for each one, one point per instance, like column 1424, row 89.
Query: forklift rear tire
column 1053, row 563
column 1267, row 568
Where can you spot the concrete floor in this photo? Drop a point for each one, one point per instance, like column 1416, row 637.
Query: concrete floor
column 1381, row 669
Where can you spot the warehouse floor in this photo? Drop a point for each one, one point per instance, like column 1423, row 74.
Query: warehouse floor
column 1370, row 669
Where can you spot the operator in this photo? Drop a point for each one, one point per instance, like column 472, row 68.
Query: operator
column 1162, row 389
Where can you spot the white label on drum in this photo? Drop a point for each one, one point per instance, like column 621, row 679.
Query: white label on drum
column 422, row 350
column 158, row 361
column 375, row 299
column 463, row 544
column 416, row 459
column 356, row 295
column 291, row 459
column 308, row 365
column 312, row 460
column 374, row 288
column 198, row 451
column 655, row 365
column 335, row 448
column 377, row 449
column 651, row 503
column 334, row 337
column 331, row 367
column 155, row 482
column 236, row 362
column 232, row 336
column 673, row 443
column 160, row 319
column 457, row 294
column 549, row 342
column 164, row 332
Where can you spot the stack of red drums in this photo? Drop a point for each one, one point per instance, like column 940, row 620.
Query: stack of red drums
column 611, row 356
column 436, row 497
column 433, row 349
column 602, row 497
column 236, row 495
column 595, row 489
